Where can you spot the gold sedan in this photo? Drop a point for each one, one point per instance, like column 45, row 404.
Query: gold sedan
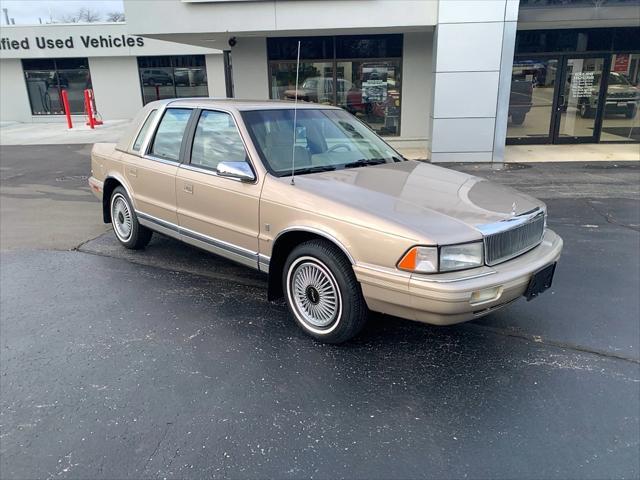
column 337, row 219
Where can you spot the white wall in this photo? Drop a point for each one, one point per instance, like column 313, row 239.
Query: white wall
column 473, row 52
column 95, row 34
column 215, row 75
column 274, row 16
column 116, row 86
column 417, row 80
column 250, row 70
column 14, row 101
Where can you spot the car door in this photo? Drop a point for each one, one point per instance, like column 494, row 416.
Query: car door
column 217, row 212
column 152, row 174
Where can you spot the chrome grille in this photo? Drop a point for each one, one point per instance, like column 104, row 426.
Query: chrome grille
column 501, row 246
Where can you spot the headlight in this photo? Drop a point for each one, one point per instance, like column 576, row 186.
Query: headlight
column 459, row 257
column 420, row 259
column 444, row 259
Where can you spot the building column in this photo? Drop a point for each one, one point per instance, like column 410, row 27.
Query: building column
column 472, row 60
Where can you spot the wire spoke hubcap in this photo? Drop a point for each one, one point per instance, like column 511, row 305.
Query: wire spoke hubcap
column 121, row 218
column 314, row 292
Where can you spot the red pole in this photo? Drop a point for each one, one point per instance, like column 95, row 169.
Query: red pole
column 67, row 110
column 88, row 109
column 157, row 92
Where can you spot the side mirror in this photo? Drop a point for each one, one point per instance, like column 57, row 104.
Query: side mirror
column 238, row 170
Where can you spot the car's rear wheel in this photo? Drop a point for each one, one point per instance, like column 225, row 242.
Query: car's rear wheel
column 125, row 223
column 322, row 292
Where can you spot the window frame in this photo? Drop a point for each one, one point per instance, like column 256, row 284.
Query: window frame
column 188, row 146
column 150, row 141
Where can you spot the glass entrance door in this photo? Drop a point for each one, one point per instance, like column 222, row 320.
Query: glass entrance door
column 531, row 101
column 577, row 113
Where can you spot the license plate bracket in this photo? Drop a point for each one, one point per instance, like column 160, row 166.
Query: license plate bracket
column 540, row 281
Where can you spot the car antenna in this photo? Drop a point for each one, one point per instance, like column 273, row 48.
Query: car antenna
column 295, row 121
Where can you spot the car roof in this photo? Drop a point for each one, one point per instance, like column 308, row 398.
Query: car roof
column 126, row 141
column 243, row 105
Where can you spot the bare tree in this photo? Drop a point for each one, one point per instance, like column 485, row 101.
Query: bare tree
column 89, row 16
column 66, row 19
column 115, row 17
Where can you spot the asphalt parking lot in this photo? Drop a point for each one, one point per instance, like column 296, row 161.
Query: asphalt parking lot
column 171, row 363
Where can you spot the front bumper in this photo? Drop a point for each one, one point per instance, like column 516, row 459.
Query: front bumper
column 448, row 298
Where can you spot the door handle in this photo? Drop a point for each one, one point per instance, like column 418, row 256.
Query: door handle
column 188, row 188
column 133, row 172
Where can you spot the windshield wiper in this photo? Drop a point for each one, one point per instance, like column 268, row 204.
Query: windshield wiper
column 364, row 162
column 317, row 168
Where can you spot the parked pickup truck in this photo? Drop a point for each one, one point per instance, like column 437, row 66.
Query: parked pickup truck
column 520, row 100
column 622, row 98
column 339, row 222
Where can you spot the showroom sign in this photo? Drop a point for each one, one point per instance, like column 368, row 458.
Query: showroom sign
column 68, row 43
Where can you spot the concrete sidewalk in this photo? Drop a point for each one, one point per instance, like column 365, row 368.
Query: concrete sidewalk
column 58, row 134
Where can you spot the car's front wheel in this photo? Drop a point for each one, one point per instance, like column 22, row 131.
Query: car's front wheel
column 125, row 223
column 322, row 292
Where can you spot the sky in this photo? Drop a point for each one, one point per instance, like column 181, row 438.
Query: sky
column 27, row 12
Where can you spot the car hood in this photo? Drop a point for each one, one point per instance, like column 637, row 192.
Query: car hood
column 413, row 199
column 618, row 89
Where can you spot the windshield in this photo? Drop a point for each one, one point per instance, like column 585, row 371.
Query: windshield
column 325, row 140
column 617, row 79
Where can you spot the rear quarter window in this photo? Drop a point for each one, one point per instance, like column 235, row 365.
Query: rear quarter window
column 142, row 134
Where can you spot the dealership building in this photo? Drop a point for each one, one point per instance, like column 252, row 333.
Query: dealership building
column 457, row 79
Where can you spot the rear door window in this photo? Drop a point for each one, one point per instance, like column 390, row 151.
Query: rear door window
column 168, row 138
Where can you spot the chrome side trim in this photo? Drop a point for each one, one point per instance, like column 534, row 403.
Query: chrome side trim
column 301, row 228
column 263, row 262
column 157, row 221
column 219, row 243
column 170, row 232
column 219, row 247
column 173, row 163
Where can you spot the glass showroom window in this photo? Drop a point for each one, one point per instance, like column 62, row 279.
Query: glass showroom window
column 46, row 78
column 621, row 122
column 172, row 77
column 360, row 73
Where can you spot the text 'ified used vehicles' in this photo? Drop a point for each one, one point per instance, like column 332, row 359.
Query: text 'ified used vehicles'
column 336, row 218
